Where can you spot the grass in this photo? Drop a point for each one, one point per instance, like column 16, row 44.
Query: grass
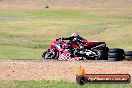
column 28, row 38
column 19, row 53
column 56, row 84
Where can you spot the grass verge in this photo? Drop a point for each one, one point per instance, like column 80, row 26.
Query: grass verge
column 56, row 84
column 27, row 38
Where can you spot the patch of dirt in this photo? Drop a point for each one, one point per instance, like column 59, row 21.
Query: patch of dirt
column 67, row 3
column 58, row 70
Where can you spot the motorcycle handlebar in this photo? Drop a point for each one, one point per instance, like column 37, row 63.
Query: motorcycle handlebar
column 59, row 39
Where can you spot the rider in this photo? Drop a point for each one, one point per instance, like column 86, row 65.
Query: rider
column 75, row 38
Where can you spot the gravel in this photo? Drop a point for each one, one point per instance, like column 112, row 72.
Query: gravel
column 58, row 70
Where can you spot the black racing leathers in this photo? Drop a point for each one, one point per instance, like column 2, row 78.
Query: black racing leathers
column 76, row 40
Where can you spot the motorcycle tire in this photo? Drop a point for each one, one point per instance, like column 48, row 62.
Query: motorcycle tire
column 49, row 55
column 46, row 55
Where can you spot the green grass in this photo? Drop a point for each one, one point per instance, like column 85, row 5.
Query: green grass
column 53, row 14
column 17, row 52
column 56, row 84
column 28, row 38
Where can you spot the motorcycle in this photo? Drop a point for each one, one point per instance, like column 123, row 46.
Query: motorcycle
column 67, row 50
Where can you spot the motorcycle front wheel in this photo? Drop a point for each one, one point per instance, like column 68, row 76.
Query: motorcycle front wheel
column 50, row 54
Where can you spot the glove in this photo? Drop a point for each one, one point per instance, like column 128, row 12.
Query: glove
column 58, row 39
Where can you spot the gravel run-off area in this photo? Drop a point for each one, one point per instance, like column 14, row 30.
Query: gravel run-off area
column 58, row 70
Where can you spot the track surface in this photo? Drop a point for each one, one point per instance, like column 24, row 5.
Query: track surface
column 58, row 70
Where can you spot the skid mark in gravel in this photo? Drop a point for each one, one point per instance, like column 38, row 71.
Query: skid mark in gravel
column 58, row 70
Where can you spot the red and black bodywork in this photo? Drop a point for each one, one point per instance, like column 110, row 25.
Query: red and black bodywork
column 94, row 50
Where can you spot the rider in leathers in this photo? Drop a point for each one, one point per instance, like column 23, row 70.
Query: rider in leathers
column 75, row 38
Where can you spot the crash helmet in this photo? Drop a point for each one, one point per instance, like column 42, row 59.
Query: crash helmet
column 75, row 35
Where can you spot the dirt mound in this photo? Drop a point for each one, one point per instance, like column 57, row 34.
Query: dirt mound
column 68, row 3
column 59, row 70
